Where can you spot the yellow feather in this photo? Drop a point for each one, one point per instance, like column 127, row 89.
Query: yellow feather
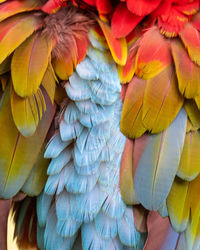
column 17, row 29
column 131, row 118
column 162, row 101
column 30, row 60
column 193, row 112
column 189, row 166
column 178, row 205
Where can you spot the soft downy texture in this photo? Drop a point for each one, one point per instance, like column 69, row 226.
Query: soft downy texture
column 82, row 191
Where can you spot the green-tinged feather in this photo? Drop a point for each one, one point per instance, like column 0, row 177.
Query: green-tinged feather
column 17, row 153
column 37, row 178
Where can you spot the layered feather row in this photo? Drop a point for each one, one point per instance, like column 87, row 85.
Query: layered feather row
column 82, row 190
column 161, row 114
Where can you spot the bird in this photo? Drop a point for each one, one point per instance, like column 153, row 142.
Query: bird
column 99, row 123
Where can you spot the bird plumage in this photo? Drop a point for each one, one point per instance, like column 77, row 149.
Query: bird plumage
column 99, row 118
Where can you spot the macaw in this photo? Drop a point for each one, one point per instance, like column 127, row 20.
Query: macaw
column 99, row 123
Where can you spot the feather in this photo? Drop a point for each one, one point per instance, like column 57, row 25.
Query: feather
column 140, row 218
column 56, row 183
column 85, row 206
column 70, row 131
column 109, row 174
column 30, row 59
column 89, row 169
column 37, row 177
column 16, row 151
column 193, row 112
column 82, row 46
column 87, row 107
column 103, row 62
column 104, row 6
column 150, row 64
column 114, row 206
column 163, row 209
column 71, row 114
column 118, row 47
column 102, row 93
column 123, row 21
column 91, row 240
column 127, row 71
column 162, row 101
column 55, row 146
column 114, row 145
column 52, row 6
column 189, row 166
column 43, row 206
column 57, row 164
column 131, row 119
column 188, row 73
column 40, row 237
column 63, row 67
column 14, row 31
column 193, row 230
column 51, row 241
column 91, row 120
column 142, row 7
column 126, row 174
column 128, row 234
column 27, row 112
column 160, row 233
column 191, row 39
column 196, row 21
column 159, row 163
column 76, row 183
column 178, row 205
column 97, row 40
column 90, row 143
column 11, row 8
column 5, row 65
column 63, row 206
column 86, row 71
column 66, row 226
column 78, row 89
column 106, row 227
column 49, row 82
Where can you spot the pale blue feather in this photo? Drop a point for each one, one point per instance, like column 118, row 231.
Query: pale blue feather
column 91, row 240
column 88, row 107
column 70, row 131
column 106, row 227
column 43, row 205
column 84, row 207
column 159, row 163
column 114, row 206
column 86, row 70
column 128, row 234
column 55, row 146
column 77, row 88
column 71, row 113
column 92, row 120
column 57, row 164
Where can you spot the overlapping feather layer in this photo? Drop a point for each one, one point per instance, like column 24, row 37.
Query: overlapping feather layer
column 82, row 191
column 161, row 114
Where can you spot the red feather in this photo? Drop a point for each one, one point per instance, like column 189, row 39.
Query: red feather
column 123, row 21
column 142, row 7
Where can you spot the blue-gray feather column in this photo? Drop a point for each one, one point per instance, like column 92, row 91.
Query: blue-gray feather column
column 82, row 193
